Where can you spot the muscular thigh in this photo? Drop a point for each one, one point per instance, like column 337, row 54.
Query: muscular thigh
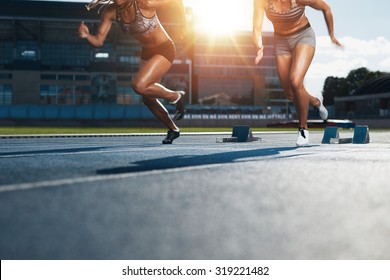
column 283, row 66
column 152, row 70
column 302, row 57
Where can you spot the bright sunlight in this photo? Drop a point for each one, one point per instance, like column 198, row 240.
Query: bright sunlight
column 221, row 16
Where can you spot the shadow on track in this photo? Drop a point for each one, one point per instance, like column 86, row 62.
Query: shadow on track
column 193, row 160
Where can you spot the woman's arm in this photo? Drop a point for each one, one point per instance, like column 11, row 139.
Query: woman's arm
column 328, row 15
column 150, row 4
column 258, row 18
column 98, row 39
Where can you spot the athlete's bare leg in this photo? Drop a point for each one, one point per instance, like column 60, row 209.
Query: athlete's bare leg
column 146, row 82
column 160, row 112
column 291, row 71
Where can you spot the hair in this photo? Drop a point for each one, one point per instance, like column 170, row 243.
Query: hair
column 96, row 3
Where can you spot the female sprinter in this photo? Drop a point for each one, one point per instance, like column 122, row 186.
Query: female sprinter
column 295, row 42
column 139, row 18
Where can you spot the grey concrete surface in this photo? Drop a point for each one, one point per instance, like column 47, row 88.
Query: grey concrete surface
column 132, row 198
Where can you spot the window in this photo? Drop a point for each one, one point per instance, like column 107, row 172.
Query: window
column 49, row 94
column 48, row 77
column 5, row 94
column 6, row 53
column 65, row 95
column 27, row 50
column 126, row 95
column 5, row 76
column 65, row 54
column 103, row 54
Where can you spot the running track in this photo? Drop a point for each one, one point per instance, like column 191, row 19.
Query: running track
column 129, row 197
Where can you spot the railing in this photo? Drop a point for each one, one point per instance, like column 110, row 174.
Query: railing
column 123, row 112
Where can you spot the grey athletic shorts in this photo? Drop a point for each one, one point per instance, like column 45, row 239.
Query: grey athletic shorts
column 285, row 44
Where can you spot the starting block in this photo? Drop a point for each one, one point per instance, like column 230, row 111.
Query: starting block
column 240, row 133
column 360, row 135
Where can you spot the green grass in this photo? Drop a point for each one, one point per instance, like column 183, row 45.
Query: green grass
column 112, row 130
column 90, row 130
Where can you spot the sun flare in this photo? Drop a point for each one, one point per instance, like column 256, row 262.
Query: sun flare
column 221, row 16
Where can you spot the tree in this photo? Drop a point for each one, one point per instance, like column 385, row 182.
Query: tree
column 335, row 86
column 356, row 78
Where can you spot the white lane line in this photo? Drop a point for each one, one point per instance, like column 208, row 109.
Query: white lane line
column 86, row 135
column 60, row 154
column 98, row 178
column 82, row 150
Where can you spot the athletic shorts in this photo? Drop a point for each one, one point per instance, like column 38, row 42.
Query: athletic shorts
column 166, row 49
column 285, row 44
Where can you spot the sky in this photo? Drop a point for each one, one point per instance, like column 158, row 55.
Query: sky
column 361, row 26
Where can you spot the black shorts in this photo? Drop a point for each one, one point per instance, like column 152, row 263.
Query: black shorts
column 167, row 50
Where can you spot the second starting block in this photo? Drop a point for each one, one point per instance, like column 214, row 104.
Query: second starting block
column 360, row 135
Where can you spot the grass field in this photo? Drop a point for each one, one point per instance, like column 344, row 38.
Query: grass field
column 119, row 130
column 93, row 130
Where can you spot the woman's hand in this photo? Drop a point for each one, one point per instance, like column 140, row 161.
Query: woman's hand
column 83, row 30
column 259, row 55
column 335, row 41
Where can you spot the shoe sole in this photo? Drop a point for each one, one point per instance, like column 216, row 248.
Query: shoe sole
column 169, row 141
column 303, row 145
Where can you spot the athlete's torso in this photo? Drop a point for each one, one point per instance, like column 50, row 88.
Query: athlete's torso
column 140, row 25
column 286, row 21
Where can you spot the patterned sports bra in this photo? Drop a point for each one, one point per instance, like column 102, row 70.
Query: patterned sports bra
column 281, row 19
column 140, row 24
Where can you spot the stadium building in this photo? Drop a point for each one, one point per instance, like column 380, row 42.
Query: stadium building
column 48, row 73
column 369, row 104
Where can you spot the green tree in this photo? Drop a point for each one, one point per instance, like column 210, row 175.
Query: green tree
column 356, row 78
column 334, row 86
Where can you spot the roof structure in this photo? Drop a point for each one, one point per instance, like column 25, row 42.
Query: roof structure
column 20, row 9
column 374, row 86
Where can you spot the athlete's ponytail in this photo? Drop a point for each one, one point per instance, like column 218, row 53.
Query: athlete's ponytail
column 95, row 3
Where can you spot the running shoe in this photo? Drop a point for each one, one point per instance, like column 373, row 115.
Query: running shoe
column 321, row 109
column 171, row 135
column 180, row 106
column 303, row 137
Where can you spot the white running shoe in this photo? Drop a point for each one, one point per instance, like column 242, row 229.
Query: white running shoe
column 321, row 109
column 303, row 137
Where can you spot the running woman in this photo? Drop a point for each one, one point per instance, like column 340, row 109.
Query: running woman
column 295, row 43
column 139, row 18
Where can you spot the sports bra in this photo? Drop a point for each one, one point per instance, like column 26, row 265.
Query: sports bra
column 140, row 24
column 282, row 19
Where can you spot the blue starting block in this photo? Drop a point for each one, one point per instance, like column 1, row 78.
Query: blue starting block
column 330, row 132
column 240, row 133
column 360, row 135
